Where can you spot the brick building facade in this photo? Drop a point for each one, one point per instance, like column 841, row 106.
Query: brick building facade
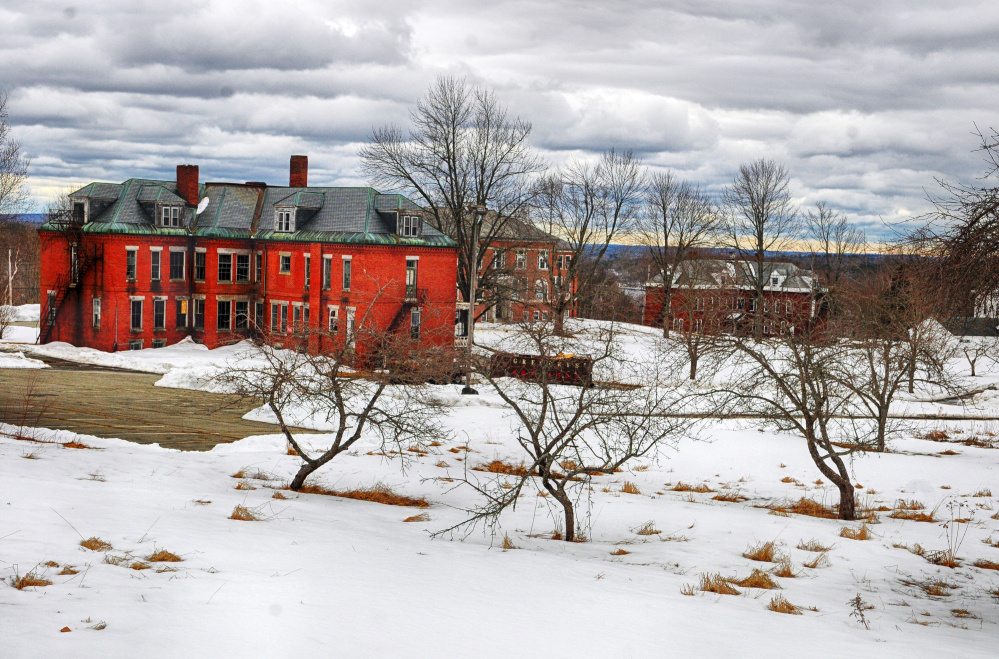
column 715, row 296
column 145, row 263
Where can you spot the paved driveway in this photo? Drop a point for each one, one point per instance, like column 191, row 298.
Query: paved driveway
column 113, row 403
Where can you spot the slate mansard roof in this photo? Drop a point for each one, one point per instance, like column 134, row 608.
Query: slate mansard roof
column 322, row 214
column 739, row 275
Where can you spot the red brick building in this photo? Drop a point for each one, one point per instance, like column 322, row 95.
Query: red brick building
column 522, row 270
column 715, row 296
column 145, row 263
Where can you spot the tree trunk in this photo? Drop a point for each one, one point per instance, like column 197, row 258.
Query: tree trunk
column 570, row 514
column 847, row 501
column 882, row 429
column 303, row 472
column 693, row 366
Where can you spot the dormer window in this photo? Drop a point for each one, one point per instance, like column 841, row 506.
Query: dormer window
column 79, row 212
column 284, row 221
column 774, row 280
column 410, row 226
column 170, row 216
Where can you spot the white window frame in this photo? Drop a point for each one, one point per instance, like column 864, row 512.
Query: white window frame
column 284, row 220
column 157, row 299
column 308, row 270
column 542, row 259
column 155, row 263
column 521, row 260
column 142, row 312
column 346, row 272
column 183, row 251
column 170, row 216
column 96, row 313
column 409, row 225
column 333, row 320
column 133, row 252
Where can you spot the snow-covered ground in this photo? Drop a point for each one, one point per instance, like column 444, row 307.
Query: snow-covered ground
column 329, row 576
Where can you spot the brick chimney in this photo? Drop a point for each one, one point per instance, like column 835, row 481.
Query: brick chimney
column 187, row 183
column 298, row 175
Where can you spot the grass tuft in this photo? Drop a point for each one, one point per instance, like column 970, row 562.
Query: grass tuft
column 649, row 528
column 244, row 514
column 758, row 579
column 785, row 569
column 804, row 506
column 765, row 552
column 700, row 488
column 68, row 570
column 821, row 560
column 278, row 495
column 508, row 543
column 500, row 467
column 781, row 605
column 813, row 545
column 620, row 552
column 422, row 517
column 987, row 564
column 690, row 590
column 985, row 492
column 29, row 580
column 716, row 583
column 164, row 556
column 862, row 533
column 375, row 494
column 731, row 497
column 76, row 444
column 245, row 485
column 630, row 488
column 95, row 544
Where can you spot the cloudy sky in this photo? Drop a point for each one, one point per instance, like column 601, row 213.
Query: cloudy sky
column 866, row 102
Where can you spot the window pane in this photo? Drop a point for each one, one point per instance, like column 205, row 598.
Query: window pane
column 225, row 267
column 224, row 317
column 242, row 314
column 136, row 314
column 346, row 274
column 242, row 267
column 177, row 265
column 199, row 266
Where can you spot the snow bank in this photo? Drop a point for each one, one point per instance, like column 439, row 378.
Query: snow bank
column 26, row 313
column 18, row 360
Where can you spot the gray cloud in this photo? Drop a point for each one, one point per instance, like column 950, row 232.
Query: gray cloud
column 866, row 102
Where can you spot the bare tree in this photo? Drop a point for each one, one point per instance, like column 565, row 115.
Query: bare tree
column 790, row 382
column 699, row 311
column 676, row 221
column 834, row 240
column 569, row 434
column 974, row 348
column 586, row 206
column 892, row 346
column 461, row 152
column 8, row 315
column 760, row 217
column 392, row 402
column 13, row 167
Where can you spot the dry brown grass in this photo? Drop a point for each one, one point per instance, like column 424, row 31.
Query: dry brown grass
column 244, row 514
column 630, row 488
column 245, row 485
column 95, row 544
column 556, row 535
column 291, row 451
column 649, row 528
column 29, row 580
column 256, row 474
column 986, row 564
column 788, row 479
column 913, row 515
column 700, row 488
column 620, row 552
column 731, row 497
column 201, row 502
column 164, row 556
column 422, row 517
column 822, row 560
column 278, row 495
column 813, row 545
column 30, row 456
column 949, row 452
column 862, row 533
column 500, row 467
column 375, row 494
column 781, row 605
column 785, row 568
column 716, row 583
column 765, row 552
column 984, row 492
column 758, row 579
column 935, row 587
column 50, row 564
column 937, row 436
column 442, row 464
column 508, row 543
column 76, row 444
column 690, row 590
column 68, row 570
column 121, row 561
column 909, row 504
column 804, row 506
column 139, row 565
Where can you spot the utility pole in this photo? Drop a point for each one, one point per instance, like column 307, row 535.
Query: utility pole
column 478, row 213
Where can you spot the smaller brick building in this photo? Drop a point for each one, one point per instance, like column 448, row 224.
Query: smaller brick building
column 716, row 296
column 522, row 268
column 145, row 263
